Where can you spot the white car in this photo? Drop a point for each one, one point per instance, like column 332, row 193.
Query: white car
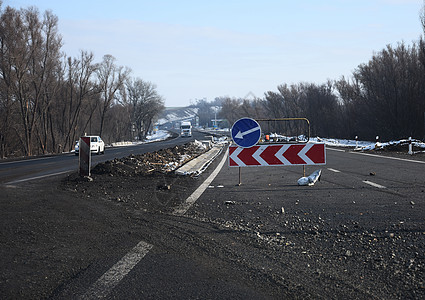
column 96, row 145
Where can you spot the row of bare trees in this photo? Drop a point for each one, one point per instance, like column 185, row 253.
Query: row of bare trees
column 318, row 103
column 384, row 97
column 48, row 100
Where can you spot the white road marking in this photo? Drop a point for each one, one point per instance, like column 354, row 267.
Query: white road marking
column 333, row 170
column 389, row 157
column 25, row 160
column 379, row 156
column 333, row 149
column 184, row 207
column 374, row 184
column 106, row 283
column 36, row 177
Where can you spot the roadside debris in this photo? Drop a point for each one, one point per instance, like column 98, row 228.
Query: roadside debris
column 162, row 161
column 88, row 178
column 164, row 187
column 312, row 179
column 228, row 202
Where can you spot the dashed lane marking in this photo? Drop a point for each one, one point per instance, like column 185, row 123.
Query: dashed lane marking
column 333, row 170
column 374, row 184
column 107, row 282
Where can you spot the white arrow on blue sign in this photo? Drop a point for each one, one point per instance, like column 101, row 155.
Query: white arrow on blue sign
column 246, row 132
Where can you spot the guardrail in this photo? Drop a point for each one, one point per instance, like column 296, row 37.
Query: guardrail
column 121, row 144
column 287, row 119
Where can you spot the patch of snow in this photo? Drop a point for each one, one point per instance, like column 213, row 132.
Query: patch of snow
column 364, row 145
column 171, row 166
column 199, row 145
column 343, row 143
column 184, row 158
column 180, row 115
column 159, row 135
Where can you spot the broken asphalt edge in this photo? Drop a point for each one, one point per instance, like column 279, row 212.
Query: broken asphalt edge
column 197, row 165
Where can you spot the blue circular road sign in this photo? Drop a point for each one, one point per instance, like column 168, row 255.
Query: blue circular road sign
column 246, row 132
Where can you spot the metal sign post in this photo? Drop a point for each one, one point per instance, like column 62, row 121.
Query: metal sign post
column 246, row 132
column 85, row 156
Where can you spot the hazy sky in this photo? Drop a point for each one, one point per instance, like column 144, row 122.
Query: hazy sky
column 205, row 49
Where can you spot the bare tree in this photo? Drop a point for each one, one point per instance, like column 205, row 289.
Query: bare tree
column 205, row 112
column 26, row 81
column 79, row 89
column 47, row 69
column 386, row 95
column 111, row 79
column 46, row 99
column 11, row 28
column 422, row 17
column 31, row 51
column 145, row 103
column 230, row 110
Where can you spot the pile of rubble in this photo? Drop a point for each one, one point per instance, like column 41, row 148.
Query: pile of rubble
column 162, row 161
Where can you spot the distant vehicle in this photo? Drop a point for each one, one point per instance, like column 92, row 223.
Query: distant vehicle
column 77, row 147
column 96, row 145
column 186, row 128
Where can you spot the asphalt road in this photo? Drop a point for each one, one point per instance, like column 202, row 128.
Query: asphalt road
column 359, row 233
column 16, row 171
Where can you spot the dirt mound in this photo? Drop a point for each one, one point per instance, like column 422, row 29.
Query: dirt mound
column 162, row 161
column 145, row 182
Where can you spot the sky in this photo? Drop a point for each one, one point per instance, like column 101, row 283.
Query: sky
column 196, row 50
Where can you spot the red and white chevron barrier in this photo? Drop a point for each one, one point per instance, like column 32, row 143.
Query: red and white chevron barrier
column 277, row 155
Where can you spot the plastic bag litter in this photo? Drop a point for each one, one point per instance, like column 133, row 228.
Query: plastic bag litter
column 312, row 179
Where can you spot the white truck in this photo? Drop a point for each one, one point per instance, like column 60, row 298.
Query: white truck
column 185, row 128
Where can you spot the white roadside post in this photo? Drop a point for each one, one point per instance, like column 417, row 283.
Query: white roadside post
column 85, row 156
column 377, row 143
column 410, row 146
column 357, row 142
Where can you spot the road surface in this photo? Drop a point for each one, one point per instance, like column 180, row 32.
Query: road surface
column 15, row 171
column 359, row 233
